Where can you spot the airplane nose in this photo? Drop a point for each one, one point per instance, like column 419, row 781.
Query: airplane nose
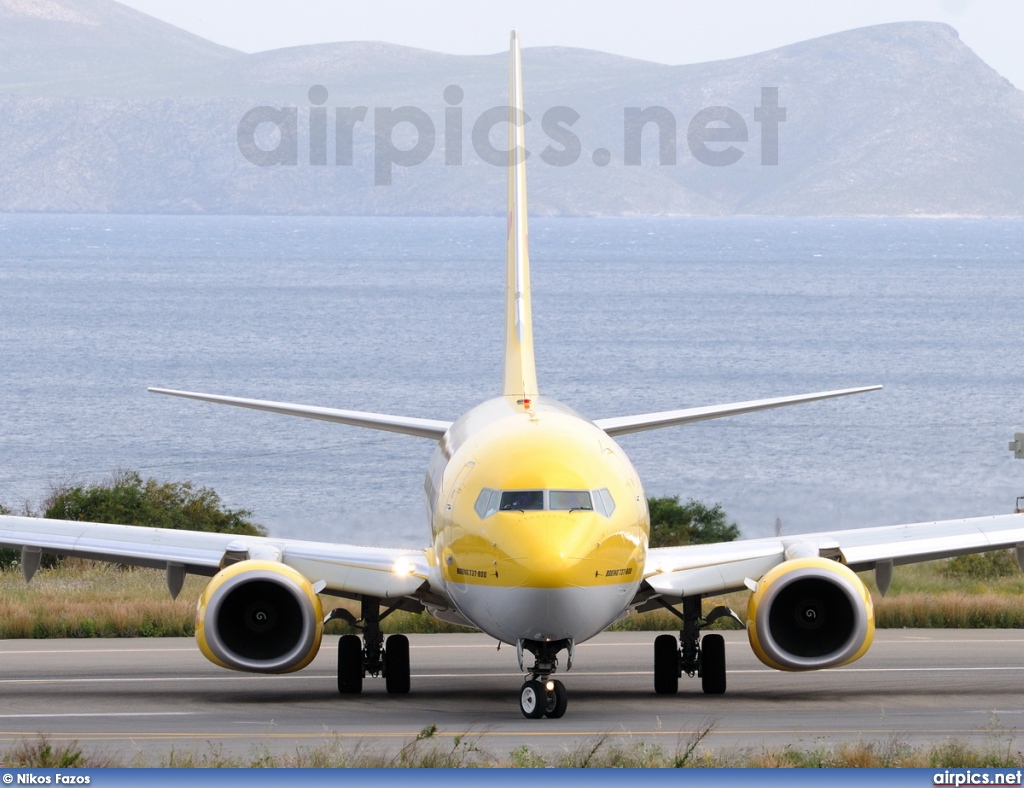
column 549, row 574
column 556, row 549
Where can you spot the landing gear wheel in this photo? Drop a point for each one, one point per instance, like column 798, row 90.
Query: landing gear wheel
column 396, row 664
column 557, row 701
column 533, row 699
column 350, row 665
column 712, row 665
column 666, row 665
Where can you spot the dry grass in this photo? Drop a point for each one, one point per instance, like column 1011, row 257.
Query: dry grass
column 431, row 750
column 87, row 599
column 40, row 753
column 925, row 595
column 953, row 610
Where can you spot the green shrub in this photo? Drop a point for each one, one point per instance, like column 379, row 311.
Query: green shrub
column 982, row 566
column 128, row 500
column 693, row 522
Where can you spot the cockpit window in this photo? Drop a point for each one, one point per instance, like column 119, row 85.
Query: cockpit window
column 563, row 500
column 490, row 501
column 605, row 504
column 522, row 500
column 487, row 502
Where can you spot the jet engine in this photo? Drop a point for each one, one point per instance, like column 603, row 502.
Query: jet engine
column 810, row 613
column 259, row 616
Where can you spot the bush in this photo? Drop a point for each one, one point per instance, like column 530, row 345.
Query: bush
column 128, row 500
column 673, row 523
column 982, row 566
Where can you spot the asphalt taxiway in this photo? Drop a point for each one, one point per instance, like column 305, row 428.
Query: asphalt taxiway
column 149, row 696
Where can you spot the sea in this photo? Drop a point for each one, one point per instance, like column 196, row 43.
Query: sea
column 404, row 315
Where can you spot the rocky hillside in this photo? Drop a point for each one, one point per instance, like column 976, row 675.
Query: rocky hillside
column 105, row 109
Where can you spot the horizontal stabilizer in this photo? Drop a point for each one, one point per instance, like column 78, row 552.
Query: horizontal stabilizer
column 623, row 425
column 422, row 428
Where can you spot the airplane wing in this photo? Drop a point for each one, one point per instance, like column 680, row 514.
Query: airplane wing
column 690, row 570
column 407, row 425
column 345, row 570
column 623, row 425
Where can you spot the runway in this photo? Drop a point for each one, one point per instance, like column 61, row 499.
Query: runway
column 148, row 696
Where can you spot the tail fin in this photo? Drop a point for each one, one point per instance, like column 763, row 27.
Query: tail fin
column 520, row 370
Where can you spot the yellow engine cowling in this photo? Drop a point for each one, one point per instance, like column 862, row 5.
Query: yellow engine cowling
column 810, row 613
column 259, row 616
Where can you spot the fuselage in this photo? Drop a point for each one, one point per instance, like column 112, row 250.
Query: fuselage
column 539, row 521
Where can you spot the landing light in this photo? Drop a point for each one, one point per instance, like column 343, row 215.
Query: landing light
column 549, row 686
column 403, row 567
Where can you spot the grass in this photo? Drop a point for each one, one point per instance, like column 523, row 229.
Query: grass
column 935, row 594
column 87, row 599
column 434, row 749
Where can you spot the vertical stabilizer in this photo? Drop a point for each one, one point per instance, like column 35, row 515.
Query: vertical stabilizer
column 520, row 371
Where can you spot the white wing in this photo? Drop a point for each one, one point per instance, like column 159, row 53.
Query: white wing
column 346, row 570
column 623, row 425
column 727, row 566
column 407, row 425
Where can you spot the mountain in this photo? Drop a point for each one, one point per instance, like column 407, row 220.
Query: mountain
column 89, row 46
column 105, row 109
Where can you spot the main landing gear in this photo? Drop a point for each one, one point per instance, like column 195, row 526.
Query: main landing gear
column 691, row 654
column 372, row 656
column 541, row 695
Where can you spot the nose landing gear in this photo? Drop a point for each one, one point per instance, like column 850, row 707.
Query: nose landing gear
column 541, row 695
column 543, row 699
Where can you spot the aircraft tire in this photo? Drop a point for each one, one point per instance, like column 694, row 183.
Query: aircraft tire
column 666, row 665
column 350, row 665
column 396, row 665
column 712, row 663
column 558, row 701
column 533, row 699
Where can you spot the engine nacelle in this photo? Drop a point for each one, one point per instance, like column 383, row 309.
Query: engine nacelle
column 810, row 613
column 259, row 616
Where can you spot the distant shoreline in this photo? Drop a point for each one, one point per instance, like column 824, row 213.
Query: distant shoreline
column 541, row 217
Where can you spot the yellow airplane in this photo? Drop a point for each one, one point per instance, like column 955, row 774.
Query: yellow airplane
column 539, row 529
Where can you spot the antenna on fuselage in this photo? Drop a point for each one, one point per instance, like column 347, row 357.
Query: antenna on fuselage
column 520, row 378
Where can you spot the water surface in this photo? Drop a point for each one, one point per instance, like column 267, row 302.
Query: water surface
column 404, row 316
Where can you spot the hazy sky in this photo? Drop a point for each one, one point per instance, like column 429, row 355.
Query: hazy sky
column 667, row 31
